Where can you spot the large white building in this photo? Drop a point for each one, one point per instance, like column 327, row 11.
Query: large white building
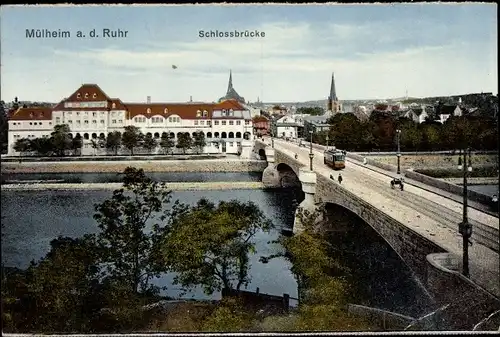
column 91, row 114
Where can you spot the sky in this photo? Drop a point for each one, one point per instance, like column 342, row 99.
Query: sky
column 375, row 51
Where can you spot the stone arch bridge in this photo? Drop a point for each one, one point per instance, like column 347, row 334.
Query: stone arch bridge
column 432, row 264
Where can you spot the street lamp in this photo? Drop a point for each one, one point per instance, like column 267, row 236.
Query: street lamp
column 398, row 137
column 327, row 139
column 311, row 154
column 272, row 135
column 465, row 228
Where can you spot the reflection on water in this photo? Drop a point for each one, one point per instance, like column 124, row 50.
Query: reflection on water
column 33, row 218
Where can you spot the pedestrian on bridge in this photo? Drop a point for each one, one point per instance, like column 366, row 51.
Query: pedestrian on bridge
column 340, row 178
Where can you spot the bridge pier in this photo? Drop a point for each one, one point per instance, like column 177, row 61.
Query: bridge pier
column 308, row 180
column 246, row 149
column 270, row 176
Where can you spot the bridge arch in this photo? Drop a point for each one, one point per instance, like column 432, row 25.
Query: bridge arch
column 262, row 154
column 287, row 176
column 336, row 212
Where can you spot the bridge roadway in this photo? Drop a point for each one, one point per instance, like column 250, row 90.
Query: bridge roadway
column 431, row 215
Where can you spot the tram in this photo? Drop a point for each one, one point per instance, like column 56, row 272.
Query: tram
column 334, row 158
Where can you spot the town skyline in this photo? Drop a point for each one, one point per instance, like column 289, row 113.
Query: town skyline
column 293, row 62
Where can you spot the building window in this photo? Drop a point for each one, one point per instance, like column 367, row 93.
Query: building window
column 247, row 122
column 231, row 122
column 70, row 121
column 58, row 120
column 165, row 111
column 231, row 143
column 205, row 113
column 94, row 121
column 195, row 122
column 86, row 95
column 78, row 122
column 120, row 121
column 231, row 112
column 86, row 122
column 94, row 114
column 148, row 110
column 198, row 113
column 216, row 122
column 202, row 122
column 113, row 121
column 69, row 113
column 113, row 106
column 223, row 112
column 223, row 122
column 94, row 95
column 78, row 114
column 102, row 121
column 238, row 122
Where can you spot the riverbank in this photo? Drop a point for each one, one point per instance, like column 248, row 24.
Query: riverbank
column 174, row 186
column 208, row 165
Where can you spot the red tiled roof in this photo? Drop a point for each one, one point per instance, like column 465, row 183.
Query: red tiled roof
column 118, row 104
column 86, row 93
column 26, row 114
column 228, row 104
column 258, row 119
column 184, row 111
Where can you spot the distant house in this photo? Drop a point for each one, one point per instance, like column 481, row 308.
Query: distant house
column 444, row 112
column 287, row 127
column 261, row 125
column 315, row 124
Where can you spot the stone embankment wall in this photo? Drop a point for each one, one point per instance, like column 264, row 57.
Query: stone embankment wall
column 467, row 303
column 448, row 187
column 174, row 186
column 209, row 165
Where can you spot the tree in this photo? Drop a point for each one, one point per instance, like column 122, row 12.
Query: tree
column 199, row 141
column 345, row 131
column 76, row 144
column 150, row 143
column 131, row 138
column 184, row 142
column 61, row 140
column 59, row 292
column 42, row 146
column 131, row 253
column 166, row 143
column 313, row 111
column 22, row 145
column 209, row 245
column 4, row 126
column 114, row 141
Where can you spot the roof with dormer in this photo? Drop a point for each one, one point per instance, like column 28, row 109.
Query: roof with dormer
column 28, row 114
column 93, row 93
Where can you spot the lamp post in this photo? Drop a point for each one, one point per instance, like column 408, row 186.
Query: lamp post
column 398, row 137
column 465, row 228
column 327, row 139
column 272, row 135
column 311, row 154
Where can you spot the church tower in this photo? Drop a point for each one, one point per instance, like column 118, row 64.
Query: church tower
column 231, row 92
column 333, row 101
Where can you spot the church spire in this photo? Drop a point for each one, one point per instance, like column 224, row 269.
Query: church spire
column 333, row 93
column 230, row 84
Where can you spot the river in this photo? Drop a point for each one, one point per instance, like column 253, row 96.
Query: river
column 33, row 218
